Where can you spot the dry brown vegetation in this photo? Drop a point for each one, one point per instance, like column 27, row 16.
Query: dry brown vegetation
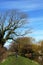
column 3, row 53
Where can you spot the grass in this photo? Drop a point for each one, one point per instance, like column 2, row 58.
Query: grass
column 12, row 60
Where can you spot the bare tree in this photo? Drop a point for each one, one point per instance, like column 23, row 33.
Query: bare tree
column 10, row 24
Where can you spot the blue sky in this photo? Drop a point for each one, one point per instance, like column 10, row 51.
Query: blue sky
column 34, row 9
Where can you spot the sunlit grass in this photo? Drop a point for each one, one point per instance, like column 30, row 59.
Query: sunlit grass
column 12, row 60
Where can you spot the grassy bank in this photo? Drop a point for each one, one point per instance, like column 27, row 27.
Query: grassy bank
column 12, row 60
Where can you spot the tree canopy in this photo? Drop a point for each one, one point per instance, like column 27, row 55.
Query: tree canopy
column 10, row 24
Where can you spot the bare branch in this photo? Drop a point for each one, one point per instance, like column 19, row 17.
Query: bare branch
column 10, row 22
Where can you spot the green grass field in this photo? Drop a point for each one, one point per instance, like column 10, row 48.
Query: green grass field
column 12, row 60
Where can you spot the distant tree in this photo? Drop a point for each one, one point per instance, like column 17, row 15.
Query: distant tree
column 24, row 46
column 36, row 49
column 10, row 24
column 13, row 47
column 24, row 41
column 42, row 46
column 21, row 42
column 27, row 51
column 42, row 52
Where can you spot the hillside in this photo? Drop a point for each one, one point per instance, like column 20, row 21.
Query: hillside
column 12, row 60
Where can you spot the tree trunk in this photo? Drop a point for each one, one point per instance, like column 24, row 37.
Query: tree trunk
column 2, row 42
column 3, row 51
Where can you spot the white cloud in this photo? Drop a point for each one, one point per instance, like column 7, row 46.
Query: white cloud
column 23, row 5
column 38, row 32
column 33, row 22
column 38, row 35
column 37, row 19
column 38, row 38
